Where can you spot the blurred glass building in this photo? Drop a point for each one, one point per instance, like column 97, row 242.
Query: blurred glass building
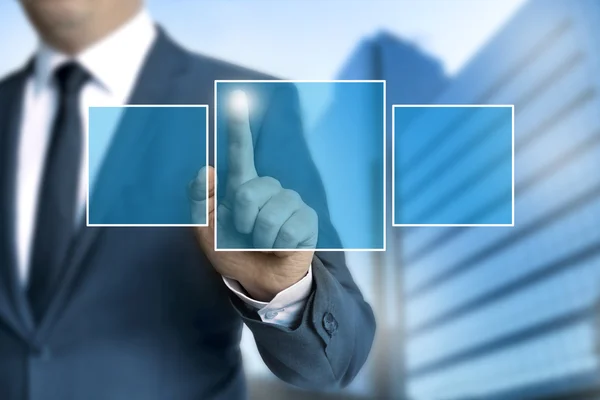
column 508, row 313
column 494, row 313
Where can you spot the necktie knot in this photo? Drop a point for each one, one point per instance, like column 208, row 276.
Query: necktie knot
column 71, row 77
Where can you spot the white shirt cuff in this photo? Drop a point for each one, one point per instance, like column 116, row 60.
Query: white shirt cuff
column 286, row 307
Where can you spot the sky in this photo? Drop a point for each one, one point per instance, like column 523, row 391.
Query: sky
column 301, row 39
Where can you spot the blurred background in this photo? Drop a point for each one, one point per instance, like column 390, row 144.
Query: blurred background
column 463, row 313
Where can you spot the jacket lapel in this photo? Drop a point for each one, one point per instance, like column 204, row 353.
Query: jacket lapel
column 164, row 66
column 14, row 310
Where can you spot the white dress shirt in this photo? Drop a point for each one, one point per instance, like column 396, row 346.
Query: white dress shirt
column 114, row 63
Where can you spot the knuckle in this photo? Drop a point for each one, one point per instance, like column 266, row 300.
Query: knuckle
column 245, row 196
column 288, row 233
column 268, row 220
column 268, row 180
column 311, row 217
column 292, row 195
column 312, row 214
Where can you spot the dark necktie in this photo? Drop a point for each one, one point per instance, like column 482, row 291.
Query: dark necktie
column 57, row 204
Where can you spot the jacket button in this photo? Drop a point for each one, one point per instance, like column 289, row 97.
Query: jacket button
column 330, row 323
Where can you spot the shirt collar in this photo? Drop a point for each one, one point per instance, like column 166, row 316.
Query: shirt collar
column 114, row 62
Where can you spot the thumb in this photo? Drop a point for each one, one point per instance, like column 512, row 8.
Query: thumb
column 202, row 196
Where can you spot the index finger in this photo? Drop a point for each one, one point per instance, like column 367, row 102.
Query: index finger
column 240, row 145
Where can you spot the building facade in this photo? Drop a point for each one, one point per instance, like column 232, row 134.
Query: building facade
column 510, row 312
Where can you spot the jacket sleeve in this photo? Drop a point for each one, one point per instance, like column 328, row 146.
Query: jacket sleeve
column 334, row 336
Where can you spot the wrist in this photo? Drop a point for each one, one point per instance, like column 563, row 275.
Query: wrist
column 264, row 286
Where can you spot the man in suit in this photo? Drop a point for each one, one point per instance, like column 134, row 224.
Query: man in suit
column 154, row 313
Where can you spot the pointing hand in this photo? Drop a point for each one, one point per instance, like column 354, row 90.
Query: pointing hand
column 255, row 213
